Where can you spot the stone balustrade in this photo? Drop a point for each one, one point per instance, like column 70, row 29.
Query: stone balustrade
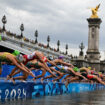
column 27, row 45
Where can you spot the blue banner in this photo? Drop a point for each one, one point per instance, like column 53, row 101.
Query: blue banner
column 8, row 90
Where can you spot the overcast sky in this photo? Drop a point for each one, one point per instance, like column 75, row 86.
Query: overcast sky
column 63, row 20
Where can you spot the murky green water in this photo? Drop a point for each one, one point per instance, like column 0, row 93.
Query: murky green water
column 87, row 98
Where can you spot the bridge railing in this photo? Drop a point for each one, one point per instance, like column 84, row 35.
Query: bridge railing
column 28, row 45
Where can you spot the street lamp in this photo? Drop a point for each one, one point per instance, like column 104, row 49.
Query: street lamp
column 66, row 49
column 4, row 21
column 21, row 29
column 58, row 44
column 36, row 35
column 81, row 48
column 48, row 40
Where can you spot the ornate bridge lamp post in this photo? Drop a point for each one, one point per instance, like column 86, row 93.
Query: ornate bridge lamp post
column 81, row 48
column 4, row 21
column 21, row 29
column 48, row 40
column 66, row 49
column 36, row 35
column 58, row 44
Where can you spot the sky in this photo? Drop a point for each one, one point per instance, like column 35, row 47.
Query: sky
column 64, row 20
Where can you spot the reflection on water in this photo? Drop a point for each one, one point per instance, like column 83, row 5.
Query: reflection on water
column 87, row 98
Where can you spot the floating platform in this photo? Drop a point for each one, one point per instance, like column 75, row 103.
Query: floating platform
column 8, row 90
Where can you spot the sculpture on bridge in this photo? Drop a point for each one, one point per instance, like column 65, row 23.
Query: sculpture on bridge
column 94, row 11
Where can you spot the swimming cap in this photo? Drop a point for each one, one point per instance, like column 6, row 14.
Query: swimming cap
column 16, row 52
column 20, row 58
column 50, row 58
column 89, row 68
column 99, row 72
column 76, row 69
column 60, row 57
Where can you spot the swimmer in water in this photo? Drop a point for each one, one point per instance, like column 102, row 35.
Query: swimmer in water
column 35, row 55
column 15, row 60
column 32, row 65
column 60, row 61
column 86, row 73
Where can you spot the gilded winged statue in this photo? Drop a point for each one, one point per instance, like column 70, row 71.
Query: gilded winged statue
column 94, row 12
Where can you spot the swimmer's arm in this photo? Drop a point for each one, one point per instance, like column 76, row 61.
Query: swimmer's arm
column 71, row 70
column 81, row 76
column 47, row 68
column 17, row 65
column 13, row 71
column 40, row 57
column 78, row 74
column 84, row 69
column 53, row 63
column 32, row 68
column 25, row 67
column 17, row 72
column 67, row 64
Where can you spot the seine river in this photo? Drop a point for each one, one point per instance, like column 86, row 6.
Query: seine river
column 87, row 98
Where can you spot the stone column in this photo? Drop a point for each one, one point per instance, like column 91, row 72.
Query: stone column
column 93, row 54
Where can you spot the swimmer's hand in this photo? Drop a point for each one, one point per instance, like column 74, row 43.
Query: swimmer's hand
column 30, row 73
column 54, row 75
column 58, row 67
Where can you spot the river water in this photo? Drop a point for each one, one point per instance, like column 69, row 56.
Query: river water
column 86, row 98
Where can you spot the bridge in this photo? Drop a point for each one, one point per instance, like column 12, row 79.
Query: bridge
column 10, row 43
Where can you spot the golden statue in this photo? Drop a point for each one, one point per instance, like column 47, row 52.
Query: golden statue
column 94, row 12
